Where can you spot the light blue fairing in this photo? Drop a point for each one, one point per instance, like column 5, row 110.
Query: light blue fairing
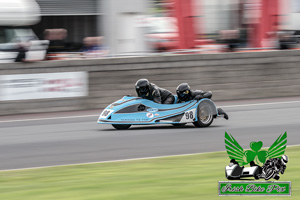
column 124, row 111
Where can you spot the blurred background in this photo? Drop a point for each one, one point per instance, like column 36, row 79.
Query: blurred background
column 231, row 47
column 72, row 29
column 63, row 61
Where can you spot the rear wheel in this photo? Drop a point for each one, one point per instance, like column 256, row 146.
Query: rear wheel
column 256, row 176
column 121, row 126
column 204, row 114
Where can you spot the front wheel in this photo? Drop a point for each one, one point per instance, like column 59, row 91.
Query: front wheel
column 269, row 174
column 121, row 126
column 205, row 115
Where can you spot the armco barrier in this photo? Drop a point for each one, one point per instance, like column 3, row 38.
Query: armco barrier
column 230, row 76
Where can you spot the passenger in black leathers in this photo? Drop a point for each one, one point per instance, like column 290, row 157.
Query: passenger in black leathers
column 184, row 94
column 150, row 91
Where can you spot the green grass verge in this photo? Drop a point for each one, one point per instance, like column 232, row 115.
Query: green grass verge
column 183, row 177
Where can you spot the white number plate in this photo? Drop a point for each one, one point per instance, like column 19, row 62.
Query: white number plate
column 188, row 116
column 105, row 113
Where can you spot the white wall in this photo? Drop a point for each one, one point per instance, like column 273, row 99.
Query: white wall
column 122, row 26
column 290, row 12
column 215, row 15
column 295, row 15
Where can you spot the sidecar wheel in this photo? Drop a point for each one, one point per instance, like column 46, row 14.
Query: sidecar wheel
column 205, row 115
column 121, row 126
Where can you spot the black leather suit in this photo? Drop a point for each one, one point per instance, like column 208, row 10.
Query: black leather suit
column 275, row 162
column 159, row 95
column 197, row 95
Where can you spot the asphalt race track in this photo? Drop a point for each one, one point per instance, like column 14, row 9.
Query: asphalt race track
column 47, row 142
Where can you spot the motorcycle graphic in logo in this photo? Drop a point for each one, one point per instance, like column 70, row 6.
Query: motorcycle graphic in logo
column 264, row 164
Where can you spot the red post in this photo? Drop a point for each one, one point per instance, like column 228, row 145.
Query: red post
column 269, row 12
column 185, row 20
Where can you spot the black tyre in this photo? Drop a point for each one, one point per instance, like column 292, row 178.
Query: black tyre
column 205, row 115
column 179, row 125
column 269, row 174
column 256, row 174
column 121, row 126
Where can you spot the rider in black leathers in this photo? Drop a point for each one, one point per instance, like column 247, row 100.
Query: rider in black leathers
column 276, row 163
column 184, row 94
column 150, row 91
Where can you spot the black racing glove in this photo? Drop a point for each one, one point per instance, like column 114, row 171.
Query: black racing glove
column 198, row 97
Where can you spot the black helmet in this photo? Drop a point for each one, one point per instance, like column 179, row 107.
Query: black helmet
column 142, row 87
column 183, row 91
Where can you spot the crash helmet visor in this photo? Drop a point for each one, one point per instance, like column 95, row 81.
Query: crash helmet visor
column 183, row 93
column 143, row 89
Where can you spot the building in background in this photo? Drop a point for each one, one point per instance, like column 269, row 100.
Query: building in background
column 121, row 22
column 81, row 18
column 118, row 20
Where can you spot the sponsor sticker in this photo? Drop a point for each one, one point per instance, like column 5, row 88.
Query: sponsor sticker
column 152, row 109
column 150, row 115
column 43, row 86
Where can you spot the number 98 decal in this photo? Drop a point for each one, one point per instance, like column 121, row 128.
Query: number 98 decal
column 188, row 116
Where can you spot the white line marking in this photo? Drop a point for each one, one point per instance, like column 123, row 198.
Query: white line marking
column 121, row 160
column 49, row 118
column 260, row 104
column 83, row 116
